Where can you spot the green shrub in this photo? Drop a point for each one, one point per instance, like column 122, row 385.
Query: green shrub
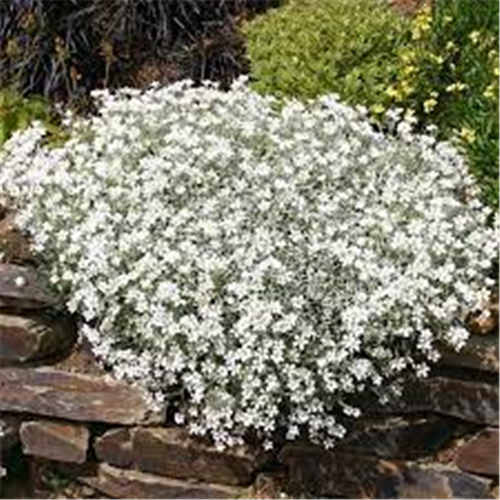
column 441, row 66
column 311, row 47
column 449, row 77
column 17, row 112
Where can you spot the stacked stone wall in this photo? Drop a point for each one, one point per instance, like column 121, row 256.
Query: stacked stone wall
column 61, row 411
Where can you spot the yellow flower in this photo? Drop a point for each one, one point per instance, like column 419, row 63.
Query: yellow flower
column 467, row 135
column 406, row 88
column 456, row 87
column 12, row 49
column 488, row 40
column 490, row 93
column 408, row 56
column 495, row 71
column 422, row 24
column 424, row 19
column 475, row 36
column 437, row 59
column 429, row 105
column 378, row 109
column 409, row 70
column 392, row 92
column 450, row 46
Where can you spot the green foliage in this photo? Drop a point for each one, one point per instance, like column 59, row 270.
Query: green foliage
column 55, row 479
column 449, row 77
column 441, row 66
column 17, row 112
column 311, row 47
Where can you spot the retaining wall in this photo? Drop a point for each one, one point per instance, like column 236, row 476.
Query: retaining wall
column 61, row 411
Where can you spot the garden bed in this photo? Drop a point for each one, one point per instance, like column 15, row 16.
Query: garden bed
column 258, row 290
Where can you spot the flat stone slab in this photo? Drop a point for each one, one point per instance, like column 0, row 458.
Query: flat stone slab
column 470, row 401
column 416, row 481
column 400, row 437
column 313, row 471
column 13, row 245
column 122, row 483
column 20, row 288
column 115, row 447
column 479, row 455
column 480, row 353
column 71, row 396
column 55, row 441
column 174, row 453
column 33, row 337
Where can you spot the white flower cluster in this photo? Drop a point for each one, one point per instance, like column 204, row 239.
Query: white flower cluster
column 257, row 264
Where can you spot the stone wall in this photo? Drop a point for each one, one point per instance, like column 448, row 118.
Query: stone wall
column 61, row 412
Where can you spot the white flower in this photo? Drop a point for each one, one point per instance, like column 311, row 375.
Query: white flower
column 238, row 259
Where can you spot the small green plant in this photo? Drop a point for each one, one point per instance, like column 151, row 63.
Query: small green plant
column 54, row 479
column 311, row 47
column 17, row 112
column 448, row 76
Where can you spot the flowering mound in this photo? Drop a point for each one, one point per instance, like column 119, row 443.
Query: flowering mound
column 255, row 265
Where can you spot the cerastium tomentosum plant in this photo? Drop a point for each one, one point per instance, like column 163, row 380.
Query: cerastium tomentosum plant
column 258, row 264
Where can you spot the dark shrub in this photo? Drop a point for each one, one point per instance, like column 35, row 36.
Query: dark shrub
column 62, row 49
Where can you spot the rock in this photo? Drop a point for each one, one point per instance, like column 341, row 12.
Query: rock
column 268, row 485
column 21, row 289
column 9, row 433
column 479, row 455
column 33, row 337
column 71, row 396
column 317, row 472
column 471, row 401
column 480, row 353
column 399, row 438
column 55, row 441
column 13, row 245
column 81, row 359
column 314, row 471
column 115, row 448
column 172, row 452
column 495, row 493
column 418, row 483
column 122, row 483
column 50, row 479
